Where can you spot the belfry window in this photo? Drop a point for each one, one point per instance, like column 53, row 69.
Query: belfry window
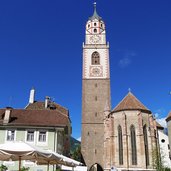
column 95, row 30
column 95, row 58
column 146, row 145
column 120, row 144
column 133, row 145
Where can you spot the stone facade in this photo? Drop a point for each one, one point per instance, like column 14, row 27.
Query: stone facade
column 95, row 94
column 141, row 120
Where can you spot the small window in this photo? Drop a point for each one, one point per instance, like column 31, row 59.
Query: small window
column 30, row 136
column 96, row 114
column 96, row 85
column 88, row 133
column 42, row 136
column 10, row 135
column 95, row 98
column 89, row 26
column 95, row 24
column 101, row 25
column 95, row 30
column 163, row 140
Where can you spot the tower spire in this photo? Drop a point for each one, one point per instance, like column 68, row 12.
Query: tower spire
column 95, row 15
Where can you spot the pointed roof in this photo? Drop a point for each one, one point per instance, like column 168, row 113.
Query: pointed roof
column 130, row 102
column 168, row 118
column 95, row 15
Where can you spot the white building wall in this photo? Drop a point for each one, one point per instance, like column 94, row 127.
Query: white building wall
column 164, row 148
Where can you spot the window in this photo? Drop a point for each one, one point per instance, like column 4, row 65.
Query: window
column 133, row 145
column 146, row 145
column 95, row 30
column 95, row 24
column 10, row 135
column 163, row 140
column 95, row 58
column 42, row 136
column 120, row 143
column 30, row 136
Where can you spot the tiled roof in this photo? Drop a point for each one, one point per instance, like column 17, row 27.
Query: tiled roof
column 130, row 102
column 168, row 118
column 24, row 117
column 37, row 105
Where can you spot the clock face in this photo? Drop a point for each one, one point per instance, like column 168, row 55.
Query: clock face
column 96, row 71
column 94, row 39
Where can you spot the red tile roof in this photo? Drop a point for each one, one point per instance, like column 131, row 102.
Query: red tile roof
column 130, row 102
column 41, row 106
column 25, row 117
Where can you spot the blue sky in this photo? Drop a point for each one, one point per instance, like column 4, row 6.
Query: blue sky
column 41, row 46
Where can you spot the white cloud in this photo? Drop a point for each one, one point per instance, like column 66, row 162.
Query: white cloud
column 124, row 62
column 79, row 139
column 162, row 122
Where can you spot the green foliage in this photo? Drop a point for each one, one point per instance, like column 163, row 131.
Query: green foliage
column 3, row 167
column 76, row 154
column 25, row 168
column 158, row 162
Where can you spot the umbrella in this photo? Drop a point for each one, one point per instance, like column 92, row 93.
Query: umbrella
column 17, row 151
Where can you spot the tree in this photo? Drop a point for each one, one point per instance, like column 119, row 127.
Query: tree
column 76, row 154
column 3, row 167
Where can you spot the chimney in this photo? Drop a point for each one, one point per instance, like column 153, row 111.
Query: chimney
column 47, row 101
column 32, row 94
column 7, row 115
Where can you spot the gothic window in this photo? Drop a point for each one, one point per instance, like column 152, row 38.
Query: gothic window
column 146, row 145
column 120, row 143
column 95, row 58
column 133, row 145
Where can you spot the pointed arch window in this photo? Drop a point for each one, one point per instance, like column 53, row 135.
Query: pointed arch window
column 120, row 144
column 133, row 145
column 95, row 58
column 146, row 145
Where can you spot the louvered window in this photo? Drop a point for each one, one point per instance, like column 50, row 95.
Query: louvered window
column 95, row 58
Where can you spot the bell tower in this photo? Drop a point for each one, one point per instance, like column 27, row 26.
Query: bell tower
column 95, row 91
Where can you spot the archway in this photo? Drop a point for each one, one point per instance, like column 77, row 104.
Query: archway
column 96, row 167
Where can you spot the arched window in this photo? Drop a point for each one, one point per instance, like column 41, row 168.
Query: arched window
column 120, row 144
column 146, row 145
column 95, row 58
column 133, row 145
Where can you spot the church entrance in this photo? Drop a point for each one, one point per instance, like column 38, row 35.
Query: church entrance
column 96, row 167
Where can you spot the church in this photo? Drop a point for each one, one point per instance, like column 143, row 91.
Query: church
column 123, row 138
